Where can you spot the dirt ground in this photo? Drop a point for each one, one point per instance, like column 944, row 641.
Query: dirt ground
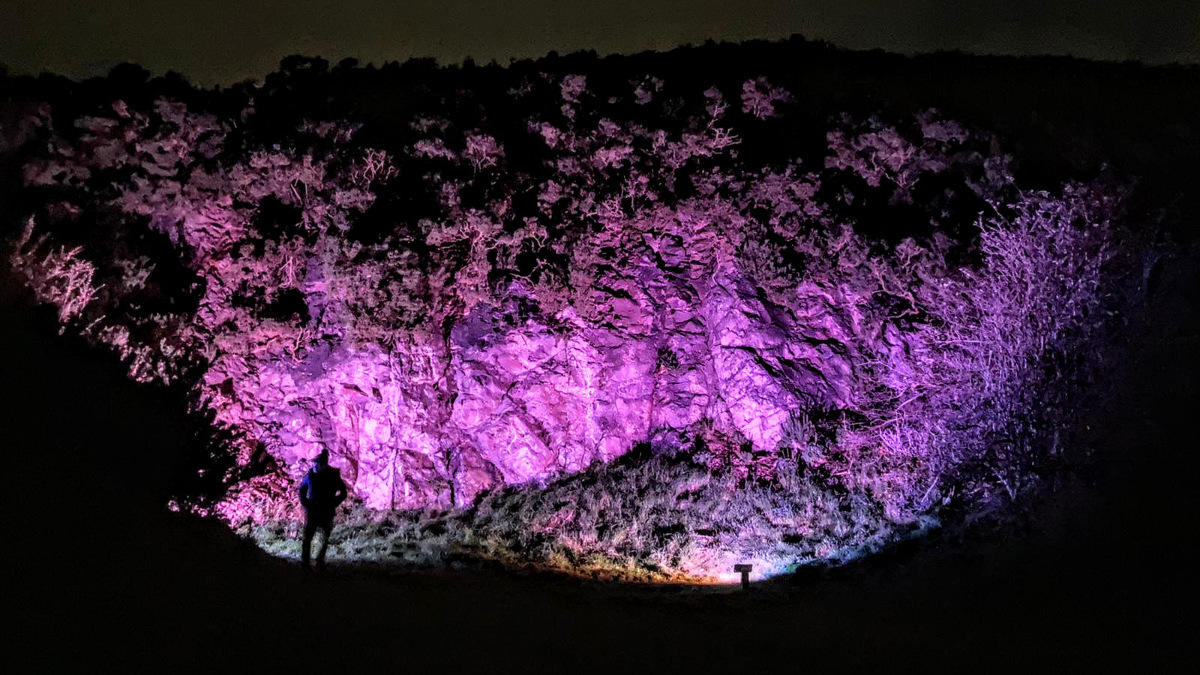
column 100, row 575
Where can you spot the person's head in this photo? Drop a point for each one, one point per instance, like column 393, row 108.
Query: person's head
column 322, row 459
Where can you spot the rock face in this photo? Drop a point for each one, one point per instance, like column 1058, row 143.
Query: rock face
column 510, row 399
column 700, row 346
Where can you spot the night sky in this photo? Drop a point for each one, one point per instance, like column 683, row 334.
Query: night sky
column 224, row 41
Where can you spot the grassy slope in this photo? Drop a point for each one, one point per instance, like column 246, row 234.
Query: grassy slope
column 642, row 518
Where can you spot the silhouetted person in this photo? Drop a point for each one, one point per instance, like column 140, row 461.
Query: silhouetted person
column 321, row 491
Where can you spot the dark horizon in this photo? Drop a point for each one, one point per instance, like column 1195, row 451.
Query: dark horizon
column 220, row 43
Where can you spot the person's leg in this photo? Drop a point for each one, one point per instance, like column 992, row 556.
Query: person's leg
column 310, row 528
column 327, row 530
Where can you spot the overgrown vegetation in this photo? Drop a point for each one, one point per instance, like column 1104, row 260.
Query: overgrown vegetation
column 612, row 315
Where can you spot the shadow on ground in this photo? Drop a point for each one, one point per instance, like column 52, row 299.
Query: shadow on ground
column 101, row 575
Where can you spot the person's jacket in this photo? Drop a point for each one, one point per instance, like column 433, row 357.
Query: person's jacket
column 322, row 490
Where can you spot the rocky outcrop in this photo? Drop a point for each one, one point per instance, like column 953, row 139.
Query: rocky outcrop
column 511, row 398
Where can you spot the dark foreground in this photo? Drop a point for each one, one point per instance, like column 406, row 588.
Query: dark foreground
column 101, row 575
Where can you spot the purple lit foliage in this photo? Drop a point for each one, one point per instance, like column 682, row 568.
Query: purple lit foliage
column 636, row 283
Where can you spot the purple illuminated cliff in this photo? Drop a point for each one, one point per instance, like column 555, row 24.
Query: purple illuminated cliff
column 585, row 322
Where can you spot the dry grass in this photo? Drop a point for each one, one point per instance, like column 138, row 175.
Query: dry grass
column 658, row 518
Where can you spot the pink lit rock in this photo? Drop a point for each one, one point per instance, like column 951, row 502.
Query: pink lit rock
column 630, row 285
